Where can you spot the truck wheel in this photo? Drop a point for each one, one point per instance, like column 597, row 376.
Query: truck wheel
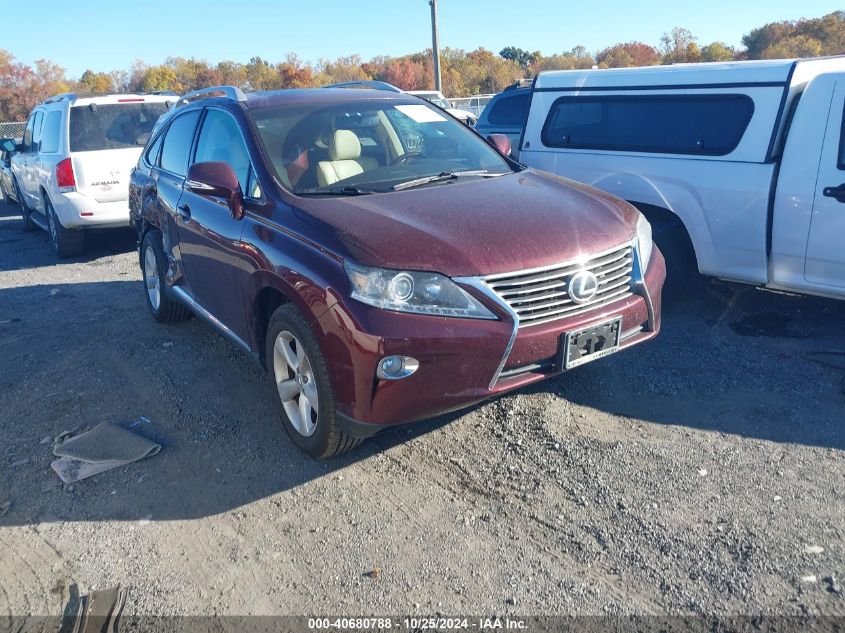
column 66, row 243
column 162, row 307
column 299, row 375
column 28, row 224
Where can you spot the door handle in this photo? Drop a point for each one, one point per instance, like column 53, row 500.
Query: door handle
column 838, row 193
column 184, row 212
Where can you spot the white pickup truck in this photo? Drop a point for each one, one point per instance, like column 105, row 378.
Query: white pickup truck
column 742, row 161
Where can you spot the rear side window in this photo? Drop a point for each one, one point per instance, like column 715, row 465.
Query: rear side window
column 52, row 132
column 36, row 128
column 27, row 133
column 155, row 150
column 509, row 110
column 112, row 126
column 671, row 124
column 177, row 143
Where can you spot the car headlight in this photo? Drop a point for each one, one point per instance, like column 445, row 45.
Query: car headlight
column 644, row 241
column 413, row 291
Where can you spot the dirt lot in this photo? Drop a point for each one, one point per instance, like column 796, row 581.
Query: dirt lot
column 689, row 475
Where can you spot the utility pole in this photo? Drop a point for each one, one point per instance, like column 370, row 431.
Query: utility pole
column 435, row 45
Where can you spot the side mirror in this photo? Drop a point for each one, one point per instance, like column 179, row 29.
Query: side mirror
column 501, row 143
column 8, row 145
column 219, row 180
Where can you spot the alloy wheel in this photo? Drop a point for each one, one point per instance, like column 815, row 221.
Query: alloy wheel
column 295, row 383
column 151, row 278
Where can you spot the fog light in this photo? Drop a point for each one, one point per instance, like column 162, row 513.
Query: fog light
column 396, row 367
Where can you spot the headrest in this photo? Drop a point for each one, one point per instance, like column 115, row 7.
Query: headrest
column 344, row 145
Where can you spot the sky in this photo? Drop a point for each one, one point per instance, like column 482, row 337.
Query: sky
column 106, row 35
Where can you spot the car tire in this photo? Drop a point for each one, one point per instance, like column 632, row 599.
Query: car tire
column 66, row 243
column 28, row 224
column 163, row 308
column 681, row 267
column 299, row 372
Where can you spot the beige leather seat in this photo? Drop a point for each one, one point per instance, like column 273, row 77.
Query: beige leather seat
column 344, row 152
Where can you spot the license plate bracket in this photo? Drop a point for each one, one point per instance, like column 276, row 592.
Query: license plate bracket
column 590, row 343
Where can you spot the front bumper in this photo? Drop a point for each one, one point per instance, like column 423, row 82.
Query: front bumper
column 462, row 361
column 77, row 211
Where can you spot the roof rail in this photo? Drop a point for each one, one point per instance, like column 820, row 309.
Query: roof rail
column 230, row 92
column 65, row 96
column 366, row 84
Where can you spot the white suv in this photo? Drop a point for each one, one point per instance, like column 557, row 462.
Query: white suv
column 72, row 170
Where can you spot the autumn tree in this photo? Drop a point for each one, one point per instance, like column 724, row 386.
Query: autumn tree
column 136, row 75
column 96, row 83
column 578, row 57
column 718, row 52
column 341, row 70
column 679, row 46
column 406, row 74
column 16, row 81
column 799, row 38
column 159, row 78
column 520, row 56
column 628, row 54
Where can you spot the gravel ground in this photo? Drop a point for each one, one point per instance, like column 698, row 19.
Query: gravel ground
column 701, row 473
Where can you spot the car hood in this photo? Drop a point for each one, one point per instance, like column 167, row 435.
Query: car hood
column 478, row 227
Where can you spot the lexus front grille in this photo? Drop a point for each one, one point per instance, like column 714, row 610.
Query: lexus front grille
column 540, row 295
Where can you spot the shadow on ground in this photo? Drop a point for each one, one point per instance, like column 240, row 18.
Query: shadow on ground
column 76, row 355
column 33, row 250
column 730, row 359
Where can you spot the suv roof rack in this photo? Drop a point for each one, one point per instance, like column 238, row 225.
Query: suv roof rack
column 230, row 92
column 366, row 83
column 64, row 96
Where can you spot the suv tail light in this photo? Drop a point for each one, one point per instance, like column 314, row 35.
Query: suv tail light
column 64, row 176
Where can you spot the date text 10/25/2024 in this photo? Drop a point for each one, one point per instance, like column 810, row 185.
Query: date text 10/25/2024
column 416, row 623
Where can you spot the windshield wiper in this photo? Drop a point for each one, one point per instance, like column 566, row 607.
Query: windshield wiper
column 340, row 191
column 442, row 177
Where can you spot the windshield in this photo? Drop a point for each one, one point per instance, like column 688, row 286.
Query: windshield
column 369, row 146
column 113, row 126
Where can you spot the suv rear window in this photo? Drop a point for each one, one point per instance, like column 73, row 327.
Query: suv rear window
column 112, row 126
column 670, row 124
column 510, row 110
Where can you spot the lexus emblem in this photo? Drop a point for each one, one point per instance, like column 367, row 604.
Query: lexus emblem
column 583, row 286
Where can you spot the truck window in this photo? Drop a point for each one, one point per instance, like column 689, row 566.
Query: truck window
column 509, row 110
column 52, row 130
column 671, row 124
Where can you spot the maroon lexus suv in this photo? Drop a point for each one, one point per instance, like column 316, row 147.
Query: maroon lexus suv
column 384, row 262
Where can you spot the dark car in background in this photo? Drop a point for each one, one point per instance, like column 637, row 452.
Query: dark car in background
column 506, row 114
column 381, row 260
